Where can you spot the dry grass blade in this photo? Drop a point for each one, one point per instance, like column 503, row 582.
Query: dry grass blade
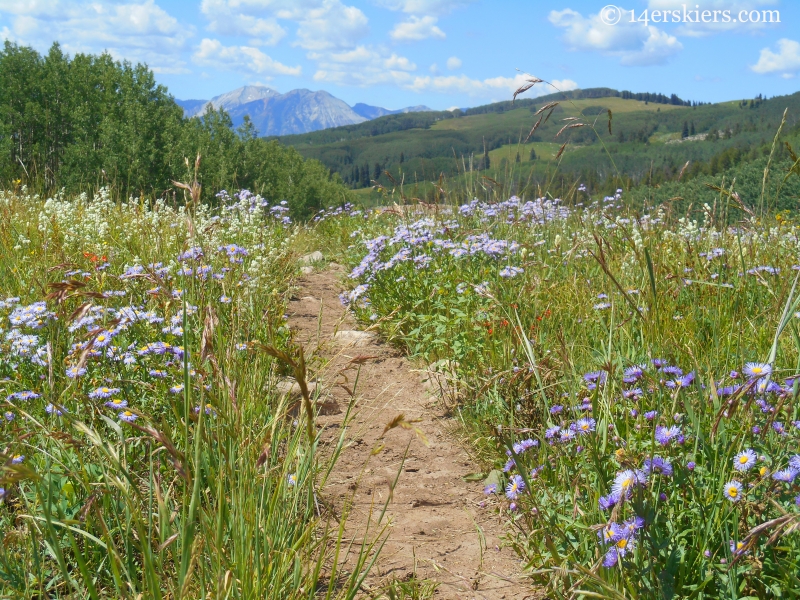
column 683, row 170
column 561, row 150
column 549, row 105
column 610, row 116
column 781, row 526
column 570, row 126
column 400, row 421
column 533, row 129
column 207, row 339
column 178, row 459
column 80, row 312
column 532, row 81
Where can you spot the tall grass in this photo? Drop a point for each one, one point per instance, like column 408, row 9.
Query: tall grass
column 207, row 485
column 541, row 308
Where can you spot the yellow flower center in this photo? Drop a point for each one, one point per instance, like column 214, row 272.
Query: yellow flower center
column 622, row 543
column 128, row 413
column 733, row 492
column 743, row 459
column 585, row 426
column 757, row 370
column 101, row 338
column 762, row 471
column 105, row 390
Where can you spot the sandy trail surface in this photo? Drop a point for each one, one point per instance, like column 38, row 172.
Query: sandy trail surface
column 440, row 527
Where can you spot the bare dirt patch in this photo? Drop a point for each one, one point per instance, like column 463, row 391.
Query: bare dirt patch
column 441, row 527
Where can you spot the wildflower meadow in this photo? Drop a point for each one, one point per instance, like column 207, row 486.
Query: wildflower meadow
column 630, row 372
column 146, row 452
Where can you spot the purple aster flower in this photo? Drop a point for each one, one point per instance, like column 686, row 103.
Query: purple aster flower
column 74, row 372
column 607, row 502
column 556, row 409
column 585, row 425
column 552, row 432
column 672, row 371
column 490, row 489
column 664, row 435
column 754, row 370
column 633, row 373
column 127, row 416
column 516, row 485
column 745, row 460
column 786, row 475
column 691, row 465
column 658, row 465
column 651, row 414
column 611, row 558
column 103, row 392
column 778, row 427
column 733, row 490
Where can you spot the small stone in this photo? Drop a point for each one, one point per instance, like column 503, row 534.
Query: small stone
column 315, row 256
column 354, row 338
column 306, row 270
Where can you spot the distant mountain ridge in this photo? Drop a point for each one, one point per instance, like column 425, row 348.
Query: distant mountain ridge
column 296, row 111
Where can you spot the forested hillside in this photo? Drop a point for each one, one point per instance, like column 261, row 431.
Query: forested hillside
column 648, row 142
column 84, row 122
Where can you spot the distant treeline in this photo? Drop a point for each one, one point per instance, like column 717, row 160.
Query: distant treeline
column 80, row 123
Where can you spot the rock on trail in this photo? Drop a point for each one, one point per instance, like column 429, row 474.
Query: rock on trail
column 434, row 515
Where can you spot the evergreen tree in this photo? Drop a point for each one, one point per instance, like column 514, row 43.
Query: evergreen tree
column 691, row 129
column 402, row 158
column 517, row 159
column 685, row 130
column 533, row 154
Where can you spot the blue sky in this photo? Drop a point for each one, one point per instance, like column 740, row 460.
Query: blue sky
column 441, row 53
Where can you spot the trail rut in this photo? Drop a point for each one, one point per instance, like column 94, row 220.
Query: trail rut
column 441, row 527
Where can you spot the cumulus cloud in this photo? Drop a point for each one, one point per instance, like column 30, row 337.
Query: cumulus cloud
column 363, row 66
column 416, row 29
column 227, row 20
column 321, row 24
column 425, row 7
column 136, row 31
column 785, row 61
column 453, row 63
column 633, row 43
column 462, row 84
column 331, row 25
column 242, row 58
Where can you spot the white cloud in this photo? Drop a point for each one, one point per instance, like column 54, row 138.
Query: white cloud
column 434, row 68
column 416, row 29
column 461, row 84
column 331, row 25
column 136, row 31
column 785, row 61
column 363, row 66
column 243, row 58
column 633, row 43
column 426, row 7
column 453, row 63
column 321, row 24
column 225, row 20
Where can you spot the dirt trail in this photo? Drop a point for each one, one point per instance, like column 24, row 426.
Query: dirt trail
column 434, row 515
